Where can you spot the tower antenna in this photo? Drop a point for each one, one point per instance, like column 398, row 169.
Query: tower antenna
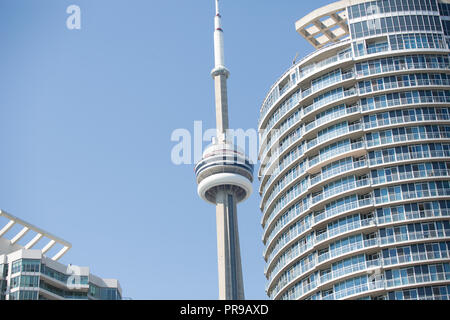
column 295, row 59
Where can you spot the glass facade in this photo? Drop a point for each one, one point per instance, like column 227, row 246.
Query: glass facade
column 32, row 279
column 104, row 293
column 355, row 173
column 25, row 265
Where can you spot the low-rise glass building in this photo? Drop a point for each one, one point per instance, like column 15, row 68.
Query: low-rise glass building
column 29, row 274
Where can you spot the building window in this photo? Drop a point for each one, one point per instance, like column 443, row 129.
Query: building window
column 25, row 265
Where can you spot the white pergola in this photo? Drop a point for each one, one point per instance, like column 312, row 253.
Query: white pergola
column 325, row 25
column 39, row 235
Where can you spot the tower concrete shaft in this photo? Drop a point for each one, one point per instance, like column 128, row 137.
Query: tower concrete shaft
column 231, row 285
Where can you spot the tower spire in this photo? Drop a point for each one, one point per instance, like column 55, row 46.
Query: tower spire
column 219, row 53
column 220, row 74
column 217, row 8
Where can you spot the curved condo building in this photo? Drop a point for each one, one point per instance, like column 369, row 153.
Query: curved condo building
column 355, row 156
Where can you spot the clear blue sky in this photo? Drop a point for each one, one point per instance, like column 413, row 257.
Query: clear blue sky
column 86, row 119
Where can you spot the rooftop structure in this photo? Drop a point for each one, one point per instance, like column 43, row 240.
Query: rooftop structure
column 329, row 24
column 26, row 273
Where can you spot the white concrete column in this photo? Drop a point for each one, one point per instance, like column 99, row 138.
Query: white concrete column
column 231, row 286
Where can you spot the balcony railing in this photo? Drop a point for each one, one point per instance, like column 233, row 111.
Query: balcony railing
column 316, row 199
column 359, row 204
column 411, row 175
column 362, row 90
column 409, row 156
column 370, row 143
column 365, row 265
column 401, row 67
column 408, row 137
column 303, row 74
column 297, row 231
column 403, row 84
column 367, row 243
column 340, row 189
column 413, row 100
column 413, row 279
column 339, row 170
column 380, row 105
column 413, row 215
column 406, row 119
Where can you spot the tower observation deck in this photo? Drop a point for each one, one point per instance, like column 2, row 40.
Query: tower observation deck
column 224, row 177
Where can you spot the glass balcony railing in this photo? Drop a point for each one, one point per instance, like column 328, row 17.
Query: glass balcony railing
column 411, row 175
column 338, row 170
column 406, row 195
column 406, row 119
column 402, row 84
column 302, row 112
column 363, row 90
column 415, row 279
column 377, row 49
column 333, row 211
column 311, row 162
column 345, row 228
column 349, row 147
column 413, row 100
column 340, row 189
column 360, row 204
column 400, row 67
column 287, row 257
column 397, row 157
column 366, row 125
column 411, row 215
column 332, row 116
column 334, row 274
column 421, row 256
column 307, row 226
column 407, row 137
column 345, row 148
column 308, row 109
column 286, row 87
column 379, row 241
column 267, row 105
column 294, row 254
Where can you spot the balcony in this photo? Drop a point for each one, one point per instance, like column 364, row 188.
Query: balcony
column 269, row 103
column 397, row 157
column 362, row 244
column 408, row 137
column 406, row 119
column 401, row 67
column 333, row 275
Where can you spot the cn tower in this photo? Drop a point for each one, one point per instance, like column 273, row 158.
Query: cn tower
column 224, row 178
